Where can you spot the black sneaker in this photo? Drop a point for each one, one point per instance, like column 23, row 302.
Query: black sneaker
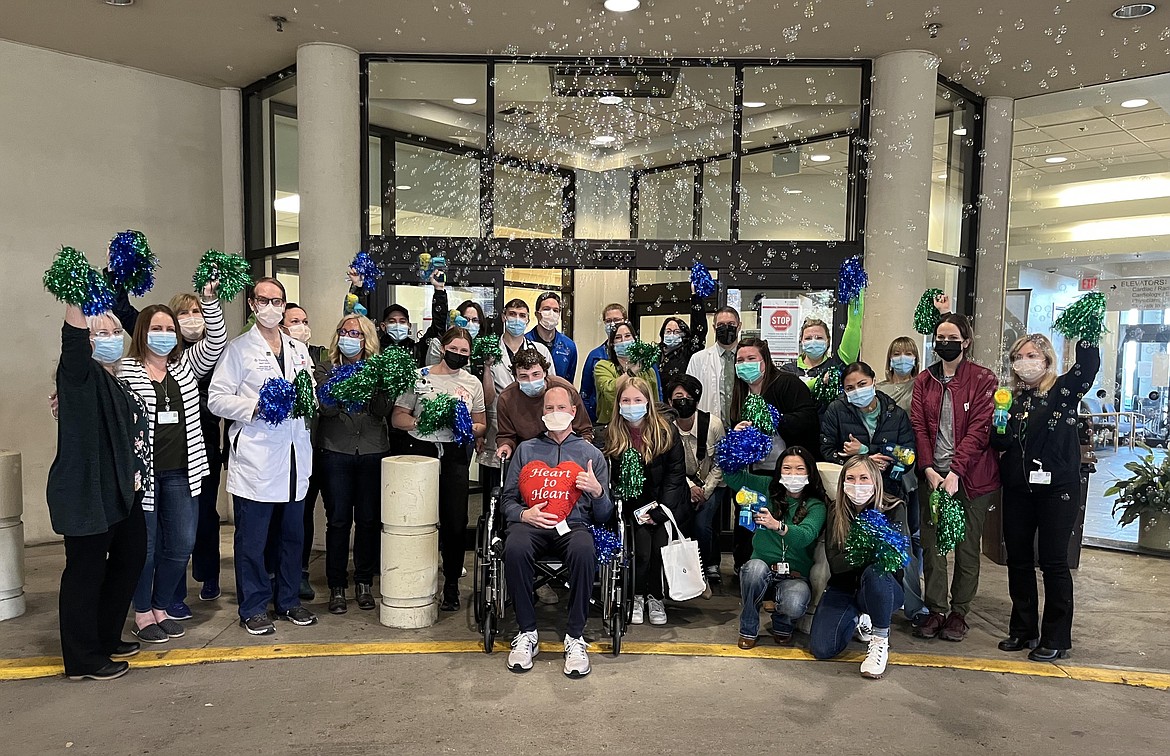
column 298, row 615
column 337, row 603
column 450, row 601
column 125, row 650
column 258, row 624
column 111, row 671
column 210, row 591
column 172, row 629
column 152, row 633
column 365, row 598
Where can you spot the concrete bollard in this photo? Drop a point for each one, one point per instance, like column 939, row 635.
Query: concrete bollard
column 11, row 537
column 410, row 541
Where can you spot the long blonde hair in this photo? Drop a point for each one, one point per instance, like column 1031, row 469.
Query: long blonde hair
column 1041, row 342
column 842, row 509
column 370, row 344
column 657, row 432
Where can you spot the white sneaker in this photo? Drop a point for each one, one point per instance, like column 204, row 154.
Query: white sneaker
column 874, row 665
column 639, row 609
column 656, row 611
column 864, row 631
column 576, row 657
column 524, row 647
column 546, row 595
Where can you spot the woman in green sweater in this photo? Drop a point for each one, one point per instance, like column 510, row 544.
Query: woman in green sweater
column 782, row 547
column 815, row 365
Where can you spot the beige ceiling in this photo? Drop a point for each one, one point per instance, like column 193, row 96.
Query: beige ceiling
column 1016, row 48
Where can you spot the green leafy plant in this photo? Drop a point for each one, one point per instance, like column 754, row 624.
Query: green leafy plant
column 1146, row 491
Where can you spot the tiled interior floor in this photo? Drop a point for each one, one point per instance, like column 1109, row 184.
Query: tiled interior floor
column 1099, row 520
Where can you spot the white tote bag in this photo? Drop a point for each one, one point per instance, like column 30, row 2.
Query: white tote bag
column 681, row 565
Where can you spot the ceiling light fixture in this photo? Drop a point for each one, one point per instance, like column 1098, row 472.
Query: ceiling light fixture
column 961, row 131
column 290, row 203
column 610, row 100
column 602, row 140
column 1055, row 159
column 820, row 158
column 120, row 3
column 793, row 191
column 622, row 6
column 1137, row 102
column 464, row 100
column 941, row 177
column 1134, row 10
column 753, row 104
column 403, row 187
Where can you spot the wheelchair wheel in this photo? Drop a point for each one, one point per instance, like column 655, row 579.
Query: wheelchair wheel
column 617, row 622
column 490, row 626
column 479, row 578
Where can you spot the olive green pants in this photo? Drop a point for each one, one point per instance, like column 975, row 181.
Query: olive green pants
column 965, row 581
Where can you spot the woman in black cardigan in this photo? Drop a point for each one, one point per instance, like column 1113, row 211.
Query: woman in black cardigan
column 637, row 424
column 1039, row 463
column 94, row 493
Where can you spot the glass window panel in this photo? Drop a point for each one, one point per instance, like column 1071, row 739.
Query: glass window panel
column 813, row 304
column 798, row 192
column 666, row 204
column 286, row 200
column 602, row 204
column 271, row 132
column 715, row 203
column 284, row 267
column 783, row 104
column 954, row 127
column 442, row 101
column 375, row 187
column 528, row 204
column 436, row 193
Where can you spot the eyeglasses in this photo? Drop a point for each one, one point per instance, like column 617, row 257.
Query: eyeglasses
column 262, row 301
column 353, row 334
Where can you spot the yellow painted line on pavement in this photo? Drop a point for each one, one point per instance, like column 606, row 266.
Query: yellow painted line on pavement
column 39, row 667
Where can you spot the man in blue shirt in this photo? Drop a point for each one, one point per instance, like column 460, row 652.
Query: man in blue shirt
column 611, row 316
column 562, row 348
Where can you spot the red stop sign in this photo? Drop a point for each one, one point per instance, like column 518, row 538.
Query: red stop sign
column 781, row 320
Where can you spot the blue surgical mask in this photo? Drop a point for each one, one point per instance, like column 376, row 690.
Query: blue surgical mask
column 473, row 329
column 398, row 331
column 861, row 396
column 532, row 388
column 161, row 342
column 672, row 339
column 349, row 346
column 749, row 371
column 633, row 412
column 108, row 349
column 515, row 326
column 622, row 348
column 902, row 364
column 814, row 348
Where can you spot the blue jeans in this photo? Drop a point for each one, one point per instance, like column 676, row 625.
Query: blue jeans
column 253, row 586
column 879, row 596
column 912, row 578
column 170, row 536
column 792, row 597
column 705, row 528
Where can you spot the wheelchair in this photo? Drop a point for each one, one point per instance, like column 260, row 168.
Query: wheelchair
column 612, row 590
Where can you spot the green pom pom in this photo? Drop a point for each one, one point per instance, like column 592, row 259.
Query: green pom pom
column 926, row 317
column 761, row 414
column 395, row 370
column 946, row 513
column 232, row 271
column 872, row 540
column 305, row 404
column 631, row 476
column 484, row 347
column 643, row 354
column 1084, row 319
column 827, row 387
column 437, row 413
column 72, row 280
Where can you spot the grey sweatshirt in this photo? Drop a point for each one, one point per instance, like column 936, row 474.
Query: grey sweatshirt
column 588, row 510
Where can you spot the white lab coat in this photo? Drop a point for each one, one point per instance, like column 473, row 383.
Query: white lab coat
column 260, row 456
column 707, row 366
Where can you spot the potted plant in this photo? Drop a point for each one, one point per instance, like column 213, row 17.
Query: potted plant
column 1145, row 497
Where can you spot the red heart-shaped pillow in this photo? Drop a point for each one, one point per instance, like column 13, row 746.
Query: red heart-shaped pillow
column 556, row 487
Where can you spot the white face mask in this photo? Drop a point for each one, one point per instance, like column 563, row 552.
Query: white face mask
column 557, row 421
column 301, row 332
column 794, row 484
column 859, row 493
column 550, row 319
column 192, row 327
column 1029, row 370
column 269, row 315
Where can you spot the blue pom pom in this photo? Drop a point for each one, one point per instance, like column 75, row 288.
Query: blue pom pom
column 365, row 267
column 132, row 264
column 741, row 448
column 851, row 280
column 336, row 376
column 701, row 280
column 461, row 425
column 99, row 296
column 606, row 542
column 277, row 397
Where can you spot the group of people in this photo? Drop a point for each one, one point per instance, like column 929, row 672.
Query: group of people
column 145, row 432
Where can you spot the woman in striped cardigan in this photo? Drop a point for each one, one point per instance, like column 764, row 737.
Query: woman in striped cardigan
column 165, row 376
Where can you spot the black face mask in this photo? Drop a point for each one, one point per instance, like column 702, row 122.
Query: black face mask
column 684, row 406
column 455, row 361
column 726, row 334
column 949, row 351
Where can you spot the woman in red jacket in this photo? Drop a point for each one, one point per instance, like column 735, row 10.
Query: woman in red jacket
column 951, row 413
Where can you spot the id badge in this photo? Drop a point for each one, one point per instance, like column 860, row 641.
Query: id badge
column 1040, row 477
column 168, row 418
column 562, row 528
column 780, row 568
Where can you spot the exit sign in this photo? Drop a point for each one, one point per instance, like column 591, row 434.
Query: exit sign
column 1088, row 284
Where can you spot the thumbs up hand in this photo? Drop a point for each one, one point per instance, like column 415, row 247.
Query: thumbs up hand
column 588, row 482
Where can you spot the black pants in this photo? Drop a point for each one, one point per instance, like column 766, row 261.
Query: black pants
column 310, row 509
column 352, row 487
column 101, row 572
column 648, row 543
column 1043, row 517
column 205, row 555
column 454, row 482
column 522, row 547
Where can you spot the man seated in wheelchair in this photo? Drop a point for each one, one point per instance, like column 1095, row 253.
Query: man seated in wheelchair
column 557, row 486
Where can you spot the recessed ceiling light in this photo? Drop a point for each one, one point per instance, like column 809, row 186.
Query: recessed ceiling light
column 464, row 100
column 609, row 100
column 403, row 187
column 1134, row 10
column 753, row 104
column 622, row 6
column 290, row 203
column 1137, row 102
column 820, row 158
column 1055, row 159
column 793, row 191
column 602, row 140
column 941, row 176
column 961, row 131
column 120, row 3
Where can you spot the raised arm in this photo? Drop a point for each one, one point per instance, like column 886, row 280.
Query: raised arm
column 203, row 354
column 76, row 352
column 850, row 347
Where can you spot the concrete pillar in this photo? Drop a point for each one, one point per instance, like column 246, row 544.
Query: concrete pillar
column 11, row 537
column 898, row 196
column 991, row 252
column 329, row 155
column 410, row 541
